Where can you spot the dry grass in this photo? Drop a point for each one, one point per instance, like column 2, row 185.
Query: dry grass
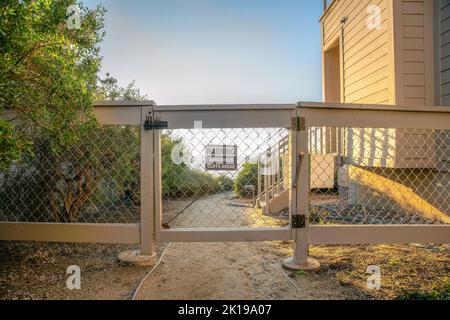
column 38, row 270
column 404, row 268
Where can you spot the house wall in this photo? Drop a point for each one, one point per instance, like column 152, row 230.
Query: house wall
column 442, row 56
column 389, row 65
column 413, row 29
column 332, row 74
column 414, row 42
column 366, row 53
column 366, row 65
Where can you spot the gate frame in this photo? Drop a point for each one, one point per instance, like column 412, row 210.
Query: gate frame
column 218, row 117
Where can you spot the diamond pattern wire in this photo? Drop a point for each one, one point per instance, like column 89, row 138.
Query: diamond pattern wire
column 196, row 196
column 93, row 181
column 379, row 176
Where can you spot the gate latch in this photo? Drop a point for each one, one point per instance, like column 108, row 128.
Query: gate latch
column 153, row 124
column 298, row 221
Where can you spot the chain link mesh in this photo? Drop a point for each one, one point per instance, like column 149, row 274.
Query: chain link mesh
column 379, row 176
column 196, row 196
column 358, row 176
column 92, row 181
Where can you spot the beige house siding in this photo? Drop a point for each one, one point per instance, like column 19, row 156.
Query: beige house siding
column 392, row 64
column 414, row 26
column 416, row 52
column 365, row 53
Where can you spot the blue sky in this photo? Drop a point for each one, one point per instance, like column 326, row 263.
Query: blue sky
column 215, row 51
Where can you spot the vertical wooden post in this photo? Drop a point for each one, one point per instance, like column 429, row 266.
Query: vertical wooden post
column 292, row 173
column 301, row 243
column 147, row 176
column 300, row 191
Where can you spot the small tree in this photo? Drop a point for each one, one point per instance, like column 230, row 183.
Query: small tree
column 48, row 73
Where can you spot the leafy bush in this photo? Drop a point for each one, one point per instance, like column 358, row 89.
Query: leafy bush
column 247, row 176
column 48, row 73
column 225, row 183
column 433, row 295
column 64, row 183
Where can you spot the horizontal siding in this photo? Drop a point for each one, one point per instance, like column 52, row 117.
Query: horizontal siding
column 367, row 73
column 413, row 38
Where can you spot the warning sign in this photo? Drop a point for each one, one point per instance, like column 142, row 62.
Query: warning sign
column 221, row 158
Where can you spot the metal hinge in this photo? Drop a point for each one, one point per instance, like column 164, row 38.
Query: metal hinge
column 299, row 123
column 298, row 221
column 154, row 124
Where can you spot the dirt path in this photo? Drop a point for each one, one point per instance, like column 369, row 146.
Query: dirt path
column 229, row 270
column 221, row 210
column 235, row 271
column 253, row 270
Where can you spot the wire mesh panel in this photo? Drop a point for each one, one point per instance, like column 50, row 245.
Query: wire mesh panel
column 95, row 180
column 225, row 178
column 379, row 176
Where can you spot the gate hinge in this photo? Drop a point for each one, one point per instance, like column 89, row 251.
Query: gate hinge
column 298, row 221
column 154, row 124
column 299, row 123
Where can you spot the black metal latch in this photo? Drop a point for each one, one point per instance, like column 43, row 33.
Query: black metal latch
column 153, row 124
column 298, row 222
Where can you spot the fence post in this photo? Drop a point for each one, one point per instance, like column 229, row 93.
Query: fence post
column 301, row 188
column 147, row 195
column 146, row 255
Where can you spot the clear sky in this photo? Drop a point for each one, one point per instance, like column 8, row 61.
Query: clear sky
column 215, row 51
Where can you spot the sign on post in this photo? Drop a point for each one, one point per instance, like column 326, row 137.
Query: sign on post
column 221, row 158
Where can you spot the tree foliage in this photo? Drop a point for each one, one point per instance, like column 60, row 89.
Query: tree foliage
column 247, row 176
column 48, row 73
column 53, row 151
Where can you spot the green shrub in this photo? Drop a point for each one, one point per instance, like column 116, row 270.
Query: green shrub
column 247, row 176
column 225, row 183
column 181, row 181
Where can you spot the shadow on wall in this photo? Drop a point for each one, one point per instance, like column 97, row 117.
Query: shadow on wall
column 419, row 191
